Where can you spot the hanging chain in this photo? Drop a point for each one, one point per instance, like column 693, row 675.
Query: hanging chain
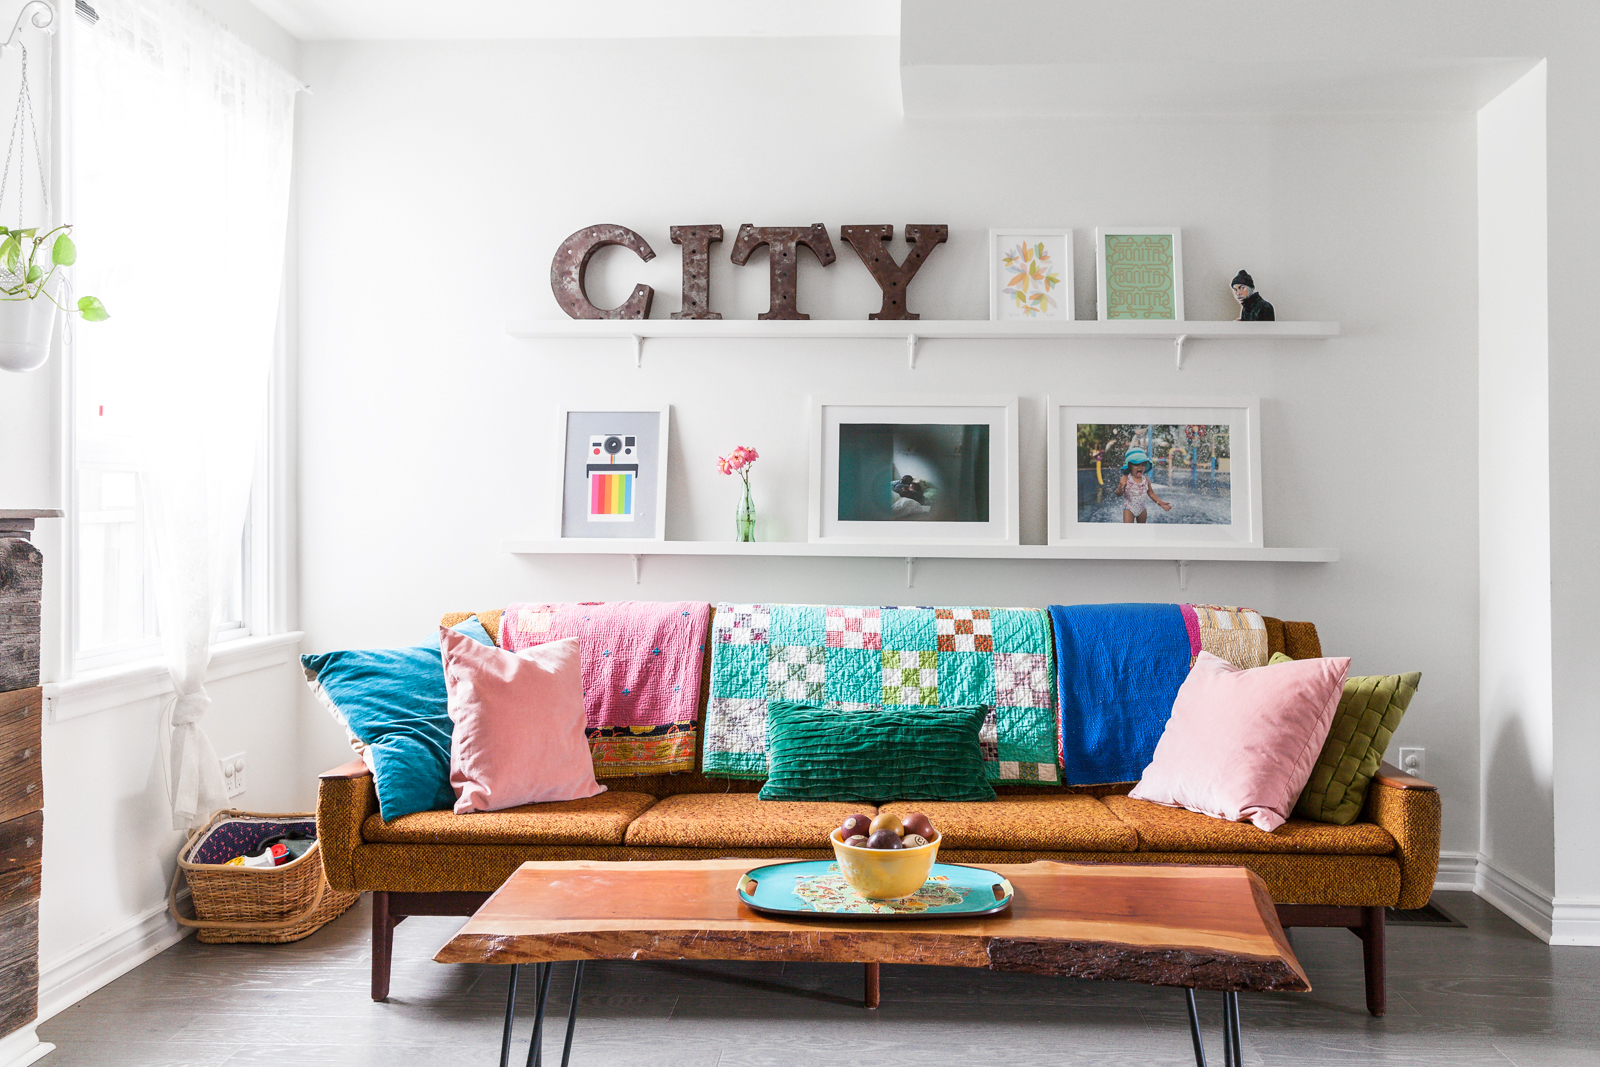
column 24, row 123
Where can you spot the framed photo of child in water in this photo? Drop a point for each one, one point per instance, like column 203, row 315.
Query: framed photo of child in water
column 942, row 470
column 1174, row 472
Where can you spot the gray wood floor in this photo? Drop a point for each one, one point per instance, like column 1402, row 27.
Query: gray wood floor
column 1488, row 994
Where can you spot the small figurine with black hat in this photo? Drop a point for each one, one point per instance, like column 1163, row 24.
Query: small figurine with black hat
column 1252, row 308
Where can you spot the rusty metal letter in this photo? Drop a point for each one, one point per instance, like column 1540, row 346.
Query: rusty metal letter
column 568, row 268
column 781, row 242
column 696, row 242
column 871, row 244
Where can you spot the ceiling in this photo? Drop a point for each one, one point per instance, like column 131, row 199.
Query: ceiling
column 391, row 20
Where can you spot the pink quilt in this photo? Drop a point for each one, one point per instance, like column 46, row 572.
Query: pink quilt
column 642, row 664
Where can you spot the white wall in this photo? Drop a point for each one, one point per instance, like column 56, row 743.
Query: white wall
column 436, row 182
column 1515, row 711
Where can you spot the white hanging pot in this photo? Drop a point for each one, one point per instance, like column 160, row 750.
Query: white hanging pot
column 26, row 328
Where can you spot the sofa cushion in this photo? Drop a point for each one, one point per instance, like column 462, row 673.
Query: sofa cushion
column 1054, row 822
column 740, row 820
column 1164, row 829
column 876, row 755
column 598, row 820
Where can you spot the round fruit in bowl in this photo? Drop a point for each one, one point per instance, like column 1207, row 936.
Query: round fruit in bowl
column 890, row 861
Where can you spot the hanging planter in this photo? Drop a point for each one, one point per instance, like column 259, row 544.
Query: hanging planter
column 31, row 288
column 30, row 295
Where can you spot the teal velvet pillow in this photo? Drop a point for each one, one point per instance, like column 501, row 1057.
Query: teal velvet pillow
column 393, row 701
column 873, row 757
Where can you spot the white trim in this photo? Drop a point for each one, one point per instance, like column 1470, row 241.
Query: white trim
column 69, row 978
column 120, row 686
column 1530, row 906
column 1575, row 922
column 1458, row 872
column 22, row 1047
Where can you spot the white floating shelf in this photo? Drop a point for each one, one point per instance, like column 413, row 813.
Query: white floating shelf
column 910, row 552
column 913, row 332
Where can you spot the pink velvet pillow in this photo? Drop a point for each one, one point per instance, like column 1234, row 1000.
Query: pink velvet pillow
column 1241, row 743
column 518, row 716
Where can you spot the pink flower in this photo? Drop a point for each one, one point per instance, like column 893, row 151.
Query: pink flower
column 737, row 460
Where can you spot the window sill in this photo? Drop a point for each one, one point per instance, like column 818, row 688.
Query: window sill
column 115, row 687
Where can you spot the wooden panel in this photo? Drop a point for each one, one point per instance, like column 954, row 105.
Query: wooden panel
column 1209, row 927
column 21, row 770
column 21, row 852
column 21, row 579
column 19, row 965
column 1393, row 777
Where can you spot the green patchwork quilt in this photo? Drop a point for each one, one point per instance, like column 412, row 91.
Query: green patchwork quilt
column 852, row 659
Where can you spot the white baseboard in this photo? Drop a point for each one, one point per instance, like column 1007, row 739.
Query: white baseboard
column 68, row 978
column 22, row 1047
column 1527, row 904
column 1575, row 922
column 1458, row 872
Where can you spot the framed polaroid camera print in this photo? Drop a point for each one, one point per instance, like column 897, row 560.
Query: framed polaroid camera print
column 1139, row 273
column 940, row 470
column 1160, row 472
column 614, row 475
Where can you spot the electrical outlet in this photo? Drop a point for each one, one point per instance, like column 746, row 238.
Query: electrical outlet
column 1414, row 761
column 233, row 773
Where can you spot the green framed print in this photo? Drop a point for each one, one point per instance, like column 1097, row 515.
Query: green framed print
column 1140, row 272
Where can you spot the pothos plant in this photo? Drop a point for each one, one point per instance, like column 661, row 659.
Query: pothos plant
column 29, row 280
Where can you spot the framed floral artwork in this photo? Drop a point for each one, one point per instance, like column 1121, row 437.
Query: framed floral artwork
column 1030, row 275
column 1139, row 272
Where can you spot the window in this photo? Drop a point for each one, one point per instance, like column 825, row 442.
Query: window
column 178, row 164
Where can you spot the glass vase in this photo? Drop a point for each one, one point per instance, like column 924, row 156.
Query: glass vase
column 745, row 517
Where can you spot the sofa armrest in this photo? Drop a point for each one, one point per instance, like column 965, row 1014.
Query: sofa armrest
column 1409, row 809
column 345, row 797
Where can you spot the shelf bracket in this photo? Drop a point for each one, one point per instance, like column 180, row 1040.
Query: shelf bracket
column 636, row 559
column 1178, row 343
column 911, row 350
column 638, row 350
column 911, row 567
column 1183, row 576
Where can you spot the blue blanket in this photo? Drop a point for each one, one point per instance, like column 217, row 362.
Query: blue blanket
column 1118, row 670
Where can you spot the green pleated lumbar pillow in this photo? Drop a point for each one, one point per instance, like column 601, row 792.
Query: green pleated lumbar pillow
column 1369, row 711
column 874, row 756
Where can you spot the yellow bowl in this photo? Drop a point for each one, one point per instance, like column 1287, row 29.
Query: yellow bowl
column 885, row 873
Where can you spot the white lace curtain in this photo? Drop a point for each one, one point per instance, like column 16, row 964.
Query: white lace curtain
column 185, row 133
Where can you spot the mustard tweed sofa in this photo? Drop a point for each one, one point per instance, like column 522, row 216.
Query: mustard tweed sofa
column 440, row 863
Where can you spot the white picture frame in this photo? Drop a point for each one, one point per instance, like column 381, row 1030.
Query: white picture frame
column 1007, row 241
column 643, row 515
column 1076, row 518
column 850, row 436
column 1109, row 294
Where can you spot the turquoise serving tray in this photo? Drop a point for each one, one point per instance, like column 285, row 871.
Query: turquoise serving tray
column 813, row 889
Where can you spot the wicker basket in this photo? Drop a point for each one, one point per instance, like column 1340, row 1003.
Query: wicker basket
column 268, row 905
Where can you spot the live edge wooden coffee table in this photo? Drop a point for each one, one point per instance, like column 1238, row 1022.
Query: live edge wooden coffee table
column 1191, row 927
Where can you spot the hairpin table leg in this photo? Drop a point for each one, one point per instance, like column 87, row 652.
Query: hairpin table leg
column 572, row 1012
column 541, row 979
column 1194, row 1029
column 511, row 1012
column 1230, row 1028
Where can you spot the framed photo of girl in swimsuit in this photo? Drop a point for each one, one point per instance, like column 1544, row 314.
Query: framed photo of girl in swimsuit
column 1164, row 472
column 942, row 470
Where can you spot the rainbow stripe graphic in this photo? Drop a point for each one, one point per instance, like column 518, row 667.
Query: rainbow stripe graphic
column 611, row 496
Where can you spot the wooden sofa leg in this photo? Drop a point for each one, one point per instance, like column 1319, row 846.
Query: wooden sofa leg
column 383, row 925
column 1372, row 956
column 872, row 990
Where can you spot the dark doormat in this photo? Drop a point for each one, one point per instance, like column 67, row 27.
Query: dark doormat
column 1429, row 914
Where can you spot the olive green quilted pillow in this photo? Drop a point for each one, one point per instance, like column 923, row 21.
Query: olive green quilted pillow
column 1369, row 711
column 876, row 755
